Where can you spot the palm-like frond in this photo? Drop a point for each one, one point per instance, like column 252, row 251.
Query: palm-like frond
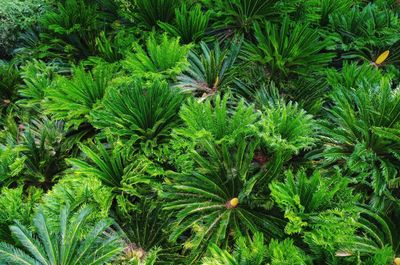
column 288, row 49
column 211, row 71
column 215, row 199
column 140, row 112
column 37, row 77
column 145, row 231
column 286, row 128
column 362, row 134
column 190, row 23
column 237, row 16
column 70, row 30
column 64, row 245
column 72, row 100
column 106, row 165
column 162, row 58
column 150, row 12
column 302, row 198
column 363, row 28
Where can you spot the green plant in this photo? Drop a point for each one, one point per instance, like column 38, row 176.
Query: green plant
column 247, row 252
column 253, row 252
column 362, row 134
column 140, row 112
column 379, row 237
column 16, row 205
column 77, row 192
column 70, row 30
column 107, row 165
column 145, row 236
column 211, row 71
column 64, row 244
column 162, row 58
column 352, row 75
column 286, row 129
column 16, row 17
column 237, row 16
column 217, row 199
column 72, row 100
column 113, row 48
column 11, row 164
column 43, row 146
column 362, row 29
column 114, row 167
column 9, row 82
column 303, row 197
column 189, row 25
column 150, row 12
column 37, row 77
column 214, row 120
column 289, row 49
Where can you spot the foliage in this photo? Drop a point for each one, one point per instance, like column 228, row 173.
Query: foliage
column 256, row 252
column 215, row 200
column 16, row 206
column 9, row 81
column 72, row 100
column 141, row 112
column 211, row 71
column 162, row 58
column 190, row 24
column 362, row 133
column 237, row 16
column 302, row 197
column 286, row 128
column 37, row 77
column 287, row 49
column 16, row 17
column 77, row 193
column 366, row 27
column 213, row 132
column 150, row 12
column 145, row 237
column 70, row 30
column 64, row 244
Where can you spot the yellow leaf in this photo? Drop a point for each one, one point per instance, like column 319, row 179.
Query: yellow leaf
column 381, row 58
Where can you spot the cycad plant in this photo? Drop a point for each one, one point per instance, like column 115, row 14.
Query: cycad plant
column 363, row 134
column 288, row 49
column 146, row 237
column 37, row 77
column 255, row 252
column 44, row 147
column 65, row 246
column 72, row 100
column 378, row 241
column 237, row 16
column 140, row 112
column 286, row 129
column 150, row 12
column 210, row 71
column 190, row 24
column 217, row 199
column 9, row 82
column 302, row 197
column 113, row 166
column 16, row 205
column 163, row 57
column 363, row 28
column 70, row 30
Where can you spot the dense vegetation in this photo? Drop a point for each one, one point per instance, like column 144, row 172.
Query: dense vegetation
column 199, row 132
